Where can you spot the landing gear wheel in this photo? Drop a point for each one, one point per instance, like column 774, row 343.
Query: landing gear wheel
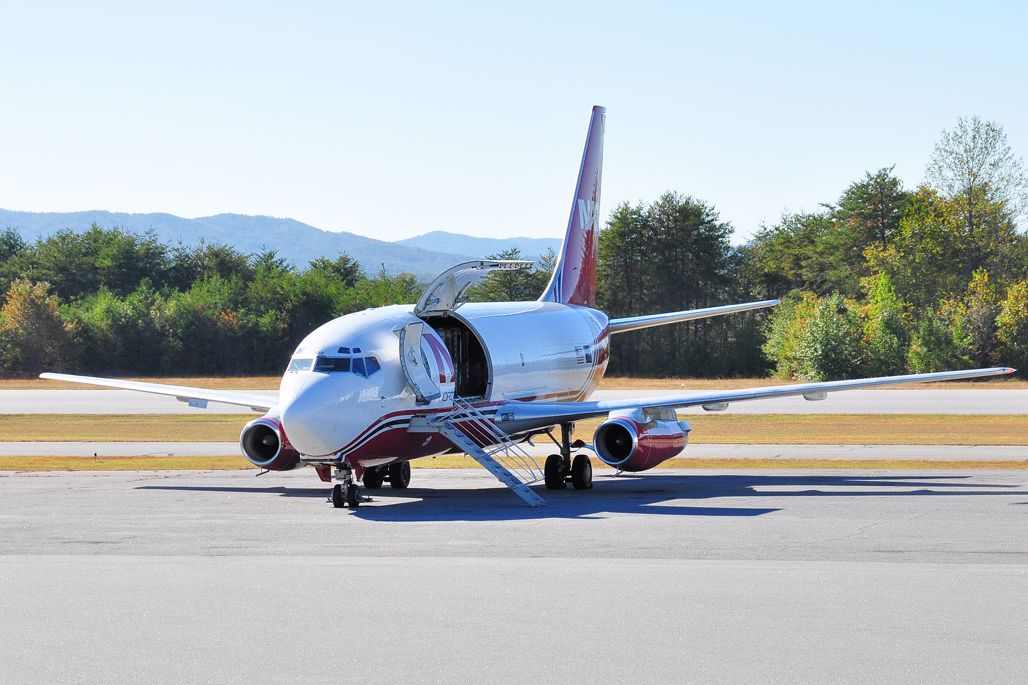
column 582, row 473
column 399, row 475
column 337, row 496
column 553, row 472
column 353, row 498
column 372, row 478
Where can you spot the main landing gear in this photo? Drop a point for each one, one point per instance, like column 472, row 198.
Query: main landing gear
column 397, row 473
column 560, row 468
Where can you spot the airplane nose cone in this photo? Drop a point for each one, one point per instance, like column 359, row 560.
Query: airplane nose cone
column 310, row 417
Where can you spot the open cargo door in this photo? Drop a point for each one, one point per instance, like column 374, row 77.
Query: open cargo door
column 415, row 363
column 447, row 291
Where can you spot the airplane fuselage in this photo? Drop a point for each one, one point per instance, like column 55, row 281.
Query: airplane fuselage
column 347, row 394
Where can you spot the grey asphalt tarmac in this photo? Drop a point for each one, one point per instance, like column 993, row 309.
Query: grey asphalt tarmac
column 672, row 576
column 735, row 451
column 957, row 401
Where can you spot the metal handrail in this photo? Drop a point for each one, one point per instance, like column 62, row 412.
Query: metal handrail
column 470, row 421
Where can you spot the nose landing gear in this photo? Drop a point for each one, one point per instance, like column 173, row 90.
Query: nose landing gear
column 345, row 494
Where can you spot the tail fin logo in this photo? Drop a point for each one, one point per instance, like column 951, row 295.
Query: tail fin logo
column 587, row 213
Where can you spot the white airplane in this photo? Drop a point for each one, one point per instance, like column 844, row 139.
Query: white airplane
column 367, row 392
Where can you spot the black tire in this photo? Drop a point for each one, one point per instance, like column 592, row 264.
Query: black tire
column 399, row 475
column 553, row 472
column 582, row 473
column 373, row 478
column 337, row 496
column 353, row 498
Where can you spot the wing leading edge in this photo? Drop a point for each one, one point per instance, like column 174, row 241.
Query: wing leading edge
column 196, row 397
column 525, row 415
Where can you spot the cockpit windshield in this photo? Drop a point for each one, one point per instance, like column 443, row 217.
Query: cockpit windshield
column 341, row 360
column 330, row 364
column 360, row 364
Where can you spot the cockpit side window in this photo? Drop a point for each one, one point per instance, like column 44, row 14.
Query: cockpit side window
column 296, row 365
column 358, row 366
column 371, row 365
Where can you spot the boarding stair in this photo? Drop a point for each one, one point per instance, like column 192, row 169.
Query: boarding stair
column 485, row 442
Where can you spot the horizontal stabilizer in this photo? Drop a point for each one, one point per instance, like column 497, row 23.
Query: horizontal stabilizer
column 635, row 323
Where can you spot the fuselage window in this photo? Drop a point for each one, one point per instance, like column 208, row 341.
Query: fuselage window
column 299, row 365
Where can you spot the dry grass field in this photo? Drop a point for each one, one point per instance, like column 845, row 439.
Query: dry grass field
column 121, row 427
column 833, row 429
column 214, row 383
column 852, row 429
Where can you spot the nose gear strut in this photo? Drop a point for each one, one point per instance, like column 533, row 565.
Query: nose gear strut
column 345, row 494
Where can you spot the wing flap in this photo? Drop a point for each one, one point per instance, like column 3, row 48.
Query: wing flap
column 196, row 397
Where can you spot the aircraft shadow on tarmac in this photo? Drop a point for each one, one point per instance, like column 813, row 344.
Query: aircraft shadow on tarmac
column 648, row 494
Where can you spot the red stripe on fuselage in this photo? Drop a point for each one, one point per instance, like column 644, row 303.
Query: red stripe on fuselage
column 408, row 413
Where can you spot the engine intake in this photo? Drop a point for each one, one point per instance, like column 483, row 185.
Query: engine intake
column 264, row 443
column 628, row 445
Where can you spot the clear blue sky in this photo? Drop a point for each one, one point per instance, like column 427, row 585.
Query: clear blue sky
column 394, row 119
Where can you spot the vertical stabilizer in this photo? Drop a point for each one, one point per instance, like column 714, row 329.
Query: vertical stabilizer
column 574, row 278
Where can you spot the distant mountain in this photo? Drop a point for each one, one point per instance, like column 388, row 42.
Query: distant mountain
column 296, row 241
column 531, row 248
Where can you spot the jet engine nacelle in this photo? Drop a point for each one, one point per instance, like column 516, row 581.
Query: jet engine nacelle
column 640, row 440
column 265, row 444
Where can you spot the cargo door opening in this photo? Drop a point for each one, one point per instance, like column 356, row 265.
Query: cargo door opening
column 469, row 361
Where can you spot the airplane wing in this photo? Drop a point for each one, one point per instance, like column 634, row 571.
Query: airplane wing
column 521, row 415
column 196, row 397
column 635, row 323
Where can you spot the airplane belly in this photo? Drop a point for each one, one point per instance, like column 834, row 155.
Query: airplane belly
column 398, row 444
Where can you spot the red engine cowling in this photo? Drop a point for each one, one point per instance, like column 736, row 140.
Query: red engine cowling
column 628, row 444
column 265, row 444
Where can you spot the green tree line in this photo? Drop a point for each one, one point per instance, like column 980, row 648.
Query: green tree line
column 107, row 301
column 889, row 279
column 885, row 279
